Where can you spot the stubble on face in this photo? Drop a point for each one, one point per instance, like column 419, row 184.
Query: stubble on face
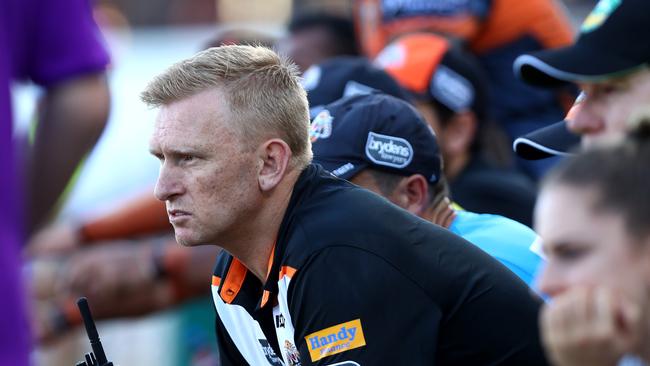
column 213, row 176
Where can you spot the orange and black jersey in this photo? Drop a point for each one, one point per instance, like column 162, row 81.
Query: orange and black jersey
column 354, row 280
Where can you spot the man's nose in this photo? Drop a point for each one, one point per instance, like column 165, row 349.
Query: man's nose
column 550, row 282
column 168, row 184
column 584, row 119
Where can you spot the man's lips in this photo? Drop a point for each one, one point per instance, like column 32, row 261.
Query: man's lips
column 175, row 215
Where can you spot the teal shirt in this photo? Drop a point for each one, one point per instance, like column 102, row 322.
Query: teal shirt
column 511, row 243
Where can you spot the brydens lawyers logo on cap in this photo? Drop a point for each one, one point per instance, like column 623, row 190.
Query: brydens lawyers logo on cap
column 389, row 151
column 321, row 126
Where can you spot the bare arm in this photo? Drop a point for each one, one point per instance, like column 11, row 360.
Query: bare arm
column 72, row 116
column 120, row 280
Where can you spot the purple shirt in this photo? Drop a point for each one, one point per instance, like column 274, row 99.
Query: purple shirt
column 47, row 42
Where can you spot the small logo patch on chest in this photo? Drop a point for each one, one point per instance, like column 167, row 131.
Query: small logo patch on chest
column 336, row 339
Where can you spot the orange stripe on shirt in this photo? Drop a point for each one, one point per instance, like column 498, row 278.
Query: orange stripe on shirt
column 216, row 281
column 287, row 271
column 234, row 281
column 284, row 271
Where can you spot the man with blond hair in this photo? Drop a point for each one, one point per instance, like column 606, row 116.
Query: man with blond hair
column 308, row 258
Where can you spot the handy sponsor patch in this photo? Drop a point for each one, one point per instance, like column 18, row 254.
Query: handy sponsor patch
column 336, row 339
column 387, row 150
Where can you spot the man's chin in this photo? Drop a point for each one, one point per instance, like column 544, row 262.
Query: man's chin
column 186, row 241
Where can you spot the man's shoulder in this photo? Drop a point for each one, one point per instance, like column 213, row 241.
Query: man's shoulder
column 380, row 230
column 350, row 215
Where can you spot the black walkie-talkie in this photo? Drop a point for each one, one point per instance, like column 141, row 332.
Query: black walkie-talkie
column 97, row 357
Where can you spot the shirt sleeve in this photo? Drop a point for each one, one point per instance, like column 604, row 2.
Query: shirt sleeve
column 348, row 305
column 65, row 42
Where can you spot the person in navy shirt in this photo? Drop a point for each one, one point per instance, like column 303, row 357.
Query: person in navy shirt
column 343, row 136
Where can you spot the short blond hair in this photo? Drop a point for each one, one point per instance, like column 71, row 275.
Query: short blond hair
column 261, row 89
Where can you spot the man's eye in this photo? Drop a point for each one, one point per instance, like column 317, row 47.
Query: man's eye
column 571, row 254
column 610, row 89
column 187, row 158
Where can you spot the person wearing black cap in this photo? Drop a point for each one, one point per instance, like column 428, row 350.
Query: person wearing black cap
column 610, row 62
column 450, row 91
column 349, row 144
column 344, row 76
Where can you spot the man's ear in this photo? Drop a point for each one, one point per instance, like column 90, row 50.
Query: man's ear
column 413, row 193
column 459, row 133
column 274, row 156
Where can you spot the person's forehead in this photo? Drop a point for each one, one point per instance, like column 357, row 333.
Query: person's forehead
column 560, row 210
column 206, row 107
column 567, row 214
column 195, row 118
column 633, row 77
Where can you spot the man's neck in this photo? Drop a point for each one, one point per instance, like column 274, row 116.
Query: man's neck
column 255, row 239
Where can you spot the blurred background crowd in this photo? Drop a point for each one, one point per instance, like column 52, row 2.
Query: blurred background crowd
column 111, row 241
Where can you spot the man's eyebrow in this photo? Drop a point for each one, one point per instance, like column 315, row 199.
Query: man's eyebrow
column 174, row 151
column 560, row 246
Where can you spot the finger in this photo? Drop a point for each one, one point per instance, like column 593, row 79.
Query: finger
column 437, row 210
column 628, row 322
column 603, row 318
column 552, row 332
column 566, row 321
column 582, row 313
column 450, row 216
column 546, row 322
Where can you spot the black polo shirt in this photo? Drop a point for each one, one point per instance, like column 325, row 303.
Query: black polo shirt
column 355, row 280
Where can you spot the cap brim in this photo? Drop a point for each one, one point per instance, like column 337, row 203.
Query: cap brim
column 341, row 169
column 575, row 63
column 553, row 140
